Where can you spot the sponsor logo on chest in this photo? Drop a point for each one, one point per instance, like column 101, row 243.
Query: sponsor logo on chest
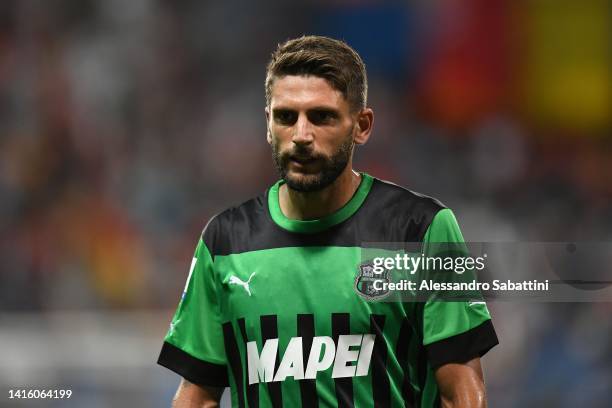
column 350, row 357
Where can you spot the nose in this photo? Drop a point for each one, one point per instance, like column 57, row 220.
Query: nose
column 303, row 131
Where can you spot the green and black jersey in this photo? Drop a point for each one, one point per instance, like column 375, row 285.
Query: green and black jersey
column 270, row 307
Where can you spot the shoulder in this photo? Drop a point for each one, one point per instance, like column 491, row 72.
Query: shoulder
column 396, row 197
column 237, row 220
column 397, row 213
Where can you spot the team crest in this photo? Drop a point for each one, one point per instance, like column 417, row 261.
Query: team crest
column 364, row 281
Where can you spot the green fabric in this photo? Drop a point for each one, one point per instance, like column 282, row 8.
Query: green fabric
column 444, row 237
column 195, row 327
column 292, row 281
column 310, row 226
column 286, row 282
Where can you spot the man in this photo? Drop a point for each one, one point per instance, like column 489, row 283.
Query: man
column 270, row 307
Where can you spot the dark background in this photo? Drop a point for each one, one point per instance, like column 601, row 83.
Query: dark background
column 126, row 124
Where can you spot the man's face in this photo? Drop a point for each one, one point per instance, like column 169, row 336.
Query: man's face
column 311, row 131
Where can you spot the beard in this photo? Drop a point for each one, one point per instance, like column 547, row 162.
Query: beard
column 330, row 166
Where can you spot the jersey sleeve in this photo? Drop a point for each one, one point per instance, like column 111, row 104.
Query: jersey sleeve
column 454, row 331
column 193, row 346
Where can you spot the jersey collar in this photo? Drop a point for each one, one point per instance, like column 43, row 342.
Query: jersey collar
column 311, row 226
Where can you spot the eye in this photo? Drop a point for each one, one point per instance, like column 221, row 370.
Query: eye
column 322, row 116
column 285, row 117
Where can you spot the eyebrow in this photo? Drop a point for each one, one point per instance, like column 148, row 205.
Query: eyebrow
column 313, row 109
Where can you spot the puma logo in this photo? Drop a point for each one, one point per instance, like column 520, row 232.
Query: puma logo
column 234, row 280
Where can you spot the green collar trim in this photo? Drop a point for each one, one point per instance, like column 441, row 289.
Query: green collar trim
column 310, row 226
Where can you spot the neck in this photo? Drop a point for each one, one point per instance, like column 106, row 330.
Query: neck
column 317, row 204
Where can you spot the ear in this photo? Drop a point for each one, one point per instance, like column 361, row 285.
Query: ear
column 268, row 134
column 365, row 121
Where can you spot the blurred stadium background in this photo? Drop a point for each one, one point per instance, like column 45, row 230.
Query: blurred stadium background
column 124, row 125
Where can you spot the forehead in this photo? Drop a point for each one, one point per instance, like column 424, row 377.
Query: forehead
column 304, row 91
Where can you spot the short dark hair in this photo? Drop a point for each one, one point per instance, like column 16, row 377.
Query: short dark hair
column 324, row 57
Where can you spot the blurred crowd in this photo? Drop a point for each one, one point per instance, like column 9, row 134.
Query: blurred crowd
column 124, row 125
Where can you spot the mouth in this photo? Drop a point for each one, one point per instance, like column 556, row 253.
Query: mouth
column 303, row 164
column 303, row 160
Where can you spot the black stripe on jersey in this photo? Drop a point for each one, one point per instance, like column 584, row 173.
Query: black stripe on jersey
column 422, row 369
column 341, row 324
column 405, row 340
column 389, row 213
column 235, row 362
column 463, row 347
column 381, row 390
column 418, row 352
column 252, row 390
column 192, row 369
column 269, row 330
column 305, row 330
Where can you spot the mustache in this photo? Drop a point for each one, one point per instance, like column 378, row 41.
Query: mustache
column 300, row 153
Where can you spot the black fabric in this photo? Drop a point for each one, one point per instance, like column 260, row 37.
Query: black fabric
column 252, row 390
column 234, row 360
column 381, row 390
column 463, row 347
column 341, row 325
column 306, row 330
column 390, row 213
column 269, row 330
column 422, row 365
column 406, row 337
column 193, row 369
